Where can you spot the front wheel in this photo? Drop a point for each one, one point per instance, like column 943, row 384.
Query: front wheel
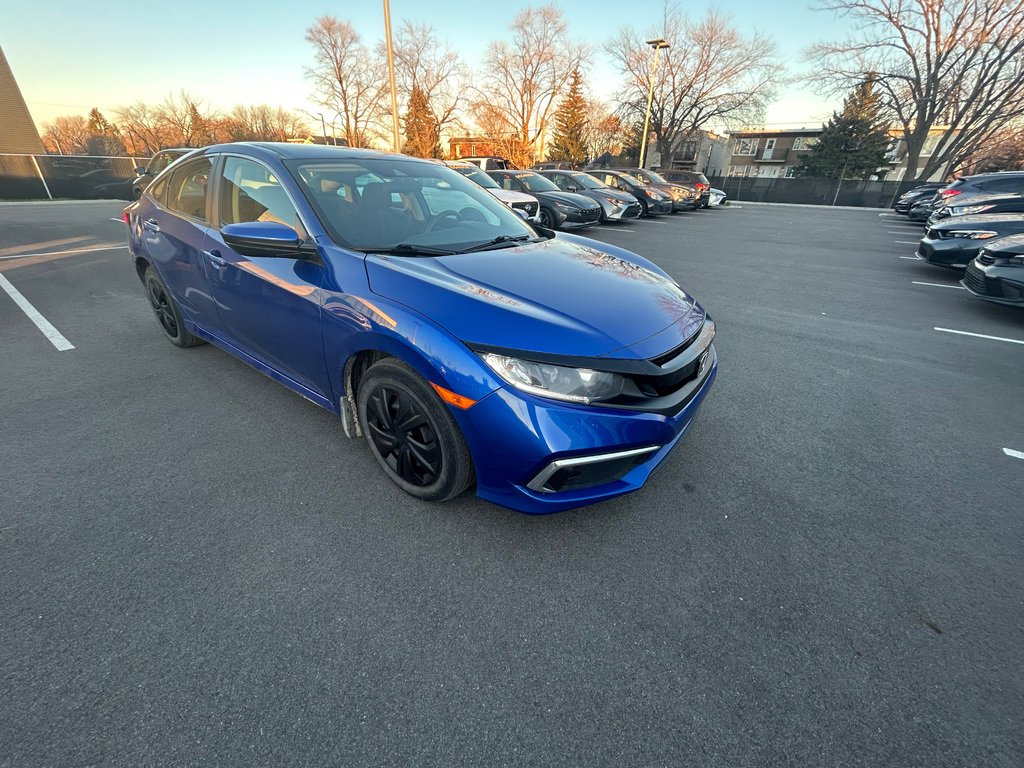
column 547, row 219
column 411, row 433
column 644, row 210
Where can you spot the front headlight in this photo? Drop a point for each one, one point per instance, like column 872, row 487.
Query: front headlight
column 577, row 385
column 960, row 210
column 972, row 234
column 613, row 201
column 566, row 207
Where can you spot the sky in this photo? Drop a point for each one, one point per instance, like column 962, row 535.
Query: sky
column 71, row 56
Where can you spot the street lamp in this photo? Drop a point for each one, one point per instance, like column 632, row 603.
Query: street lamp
column 391, row 74
column 323, row 125
column 657, row 45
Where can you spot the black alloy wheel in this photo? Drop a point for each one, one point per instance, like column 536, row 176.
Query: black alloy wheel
column 166, row 311
column 411, row 432
column 547, row 219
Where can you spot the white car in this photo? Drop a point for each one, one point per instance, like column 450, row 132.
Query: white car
column 717, row 197
column 517, row 201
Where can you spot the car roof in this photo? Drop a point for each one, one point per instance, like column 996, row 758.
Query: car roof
column 283, row 150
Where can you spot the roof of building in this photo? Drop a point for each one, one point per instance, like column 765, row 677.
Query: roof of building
column 19, row 133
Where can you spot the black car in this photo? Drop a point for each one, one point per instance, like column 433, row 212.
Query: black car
column 923, row 193
column 997, row 274
column 1004, row 182
column 923, row 208
column 954, row 242
column 695, row 179
column 615, row 204
column 156, row 164
column 977, row 204
column 684, row 198
column 653, row 201
column 557, row 208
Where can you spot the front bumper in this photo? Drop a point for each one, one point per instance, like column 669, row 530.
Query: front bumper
column 620, row 212
column 515, row 438
column 578, row 217
column 658, row 207
column 946, row 253
column 686, row 204
column 996, row 283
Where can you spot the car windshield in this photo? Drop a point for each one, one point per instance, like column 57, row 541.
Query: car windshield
column 655, row 177
column 534, row 182
column 586, row 181
column 473, row 173
column 412, row 207
column 631, row 179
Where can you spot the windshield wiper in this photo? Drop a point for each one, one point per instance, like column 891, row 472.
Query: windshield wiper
column 408, row 249
column 501, row 240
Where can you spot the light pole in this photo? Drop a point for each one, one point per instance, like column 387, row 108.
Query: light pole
column 323, row 125
column 391, row 74
column 657, row 44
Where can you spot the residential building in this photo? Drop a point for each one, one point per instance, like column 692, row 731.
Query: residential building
column 777, row 154
column 705, row 151
column 19, row 134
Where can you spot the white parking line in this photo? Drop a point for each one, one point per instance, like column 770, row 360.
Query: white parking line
column 41, row 322
column 119, row 221
column 887, row 215
column 1013, row 453
column 907, row 242
column 980, row 335
column 939, row 285
column 65, row 253
column 912, row 258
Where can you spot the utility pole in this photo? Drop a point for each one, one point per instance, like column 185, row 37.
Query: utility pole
column 657, row 44
column 391, row 74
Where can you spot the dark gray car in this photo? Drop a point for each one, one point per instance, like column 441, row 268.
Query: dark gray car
column 616, row 205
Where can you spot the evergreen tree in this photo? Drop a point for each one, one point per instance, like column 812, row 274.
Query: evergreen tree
column 199, row 129
column 570, row 141
column 422, row 137
column 103, row 136
column 853, row 143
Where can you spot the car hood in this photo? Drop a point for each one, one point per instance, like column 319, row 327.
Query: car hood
column 960, row 201
column 1007, row 247
column 511, row 196
column 569, row 198
column 1000, row 222
column 559, row 296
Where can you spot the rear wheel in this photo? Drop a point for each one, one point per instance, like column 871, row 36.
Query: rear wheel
column 166, row 311
column 411, row 433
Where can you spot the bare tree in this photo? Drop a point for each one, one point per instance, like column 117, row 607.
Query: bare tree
column 602, row 133
column 522, row 78
column 1003, row 152
column 954, row 65
column 183, row 122
column 262, row 122
column 67, row 135
column 428, row 67
column 141, row 129
column 711, row 75
column 348, row 79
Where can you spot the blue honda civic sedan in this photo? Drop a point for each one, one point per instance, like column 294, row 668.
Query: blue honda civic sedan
column 465, row 345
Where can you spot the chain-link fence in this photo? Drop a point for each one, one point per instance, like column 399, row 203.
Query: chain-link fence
column 861, row 194
column 76, row 177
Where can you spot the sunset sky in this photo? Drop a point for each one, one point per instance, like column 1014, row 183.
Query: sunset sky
column 71, row 56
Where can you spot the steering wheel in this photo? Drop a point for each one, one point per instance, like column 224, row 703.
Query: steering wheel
column 441, row 217
column 472, row 214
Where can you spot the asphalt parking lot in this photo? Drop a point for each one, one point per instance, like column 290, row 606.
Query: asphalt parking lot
column 198, row 569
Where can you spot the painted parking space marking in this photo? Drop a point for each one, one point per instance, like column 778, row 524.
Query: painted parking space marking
column 65, row 253
column 907, row 242
column 939, row 285
column 980, row 335
column 52, row 334
column 912, row 258
column 1013, row 453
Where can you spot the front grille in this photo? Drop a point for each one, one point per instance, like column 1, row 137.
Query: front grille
column 934, row 234
column 986, row 258
column 974, row 279
column 633, row 210
column 589, row 215
column 528, row 207
column 924, row 251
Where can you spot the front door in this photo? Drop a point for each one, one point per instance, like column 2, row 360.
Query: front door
column 269, row 305
column 769, row 149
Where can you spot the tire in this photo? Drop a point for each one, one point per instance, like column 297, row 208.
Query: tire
column 429, row 460
column 547, row 219
column 644, row 210
column 166, row 311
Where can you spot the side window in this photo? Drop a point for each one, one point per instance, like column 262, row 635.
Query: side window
column 1009, row 184
column 157, row 188
column 250, row 192
column 187, row 187
column 559, row 180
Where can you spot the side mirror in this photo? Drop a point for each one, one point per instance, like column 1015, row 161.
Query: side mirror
column 522, row 213
column 140, row 171
column 266, row 238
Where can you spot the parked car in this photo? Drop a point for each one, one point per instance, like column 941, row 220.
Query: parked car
column 955, row 242
column 695, row 178
column 922, row 210
column 557, row 209
column 925, row 192
column 1010, row 182
column 463, row 344
column 615, row 204
column 653, row 201
column 997, row 273
column 716, row 197
column 683, row 198
column 157, row 163
column 977, row 204
column 517, row 201
column 490, row 163
column 554, row 165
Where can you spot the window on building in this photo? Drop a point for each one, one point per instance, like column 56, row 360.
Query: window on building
column 745, row 147
column 929, row 145
column 687, row 151
column 790, row 172
column 804, row 142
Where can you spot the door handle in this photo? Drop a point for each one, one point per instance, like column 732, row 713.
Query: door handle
column 215, row 259
column 152, row 225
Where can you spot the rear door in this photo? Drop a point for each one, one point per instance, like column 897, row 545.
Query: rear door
column 173, row 228
column 269, row 306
